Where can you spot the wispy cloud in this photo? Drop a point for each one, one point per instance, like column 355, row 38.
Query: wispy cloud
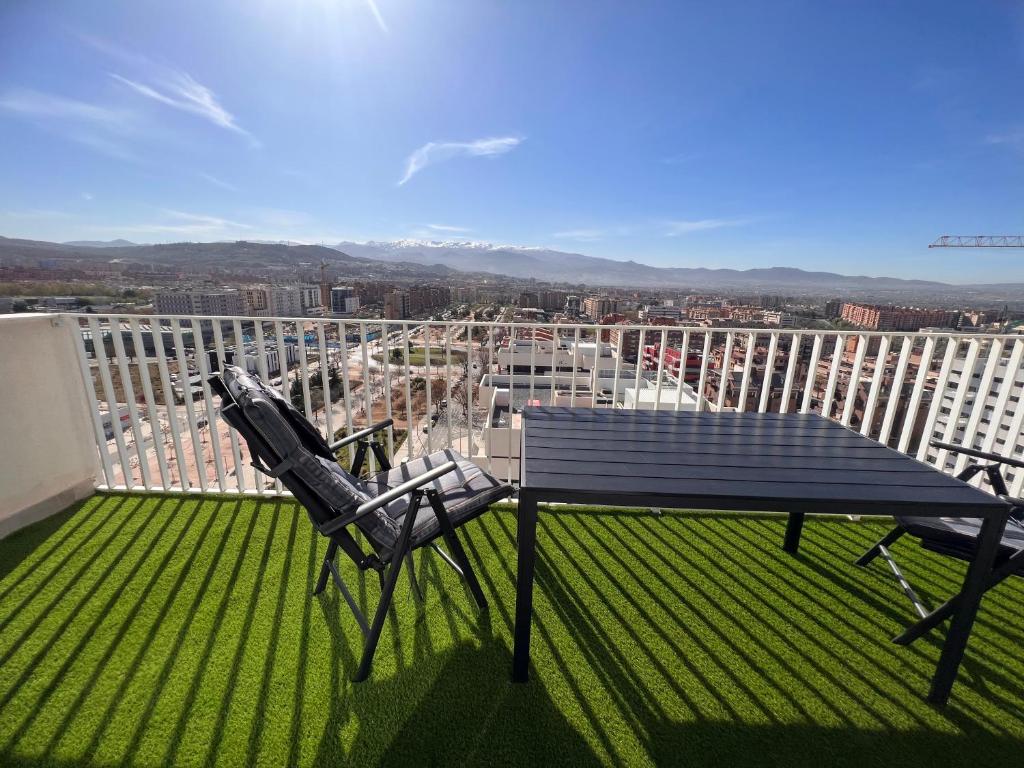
column 674, row 228
column 376, row 15
column 181, row 91
column 88, row 196
column 680, row 158
column 440, row 151
column 45, row 105
column 183, row 223
column 218, row 182
column 446, row 228
column 101, row 128
column 1013, row 138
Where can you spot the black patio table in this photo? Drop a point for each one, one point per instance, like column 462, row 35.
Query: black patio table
column 793, row 463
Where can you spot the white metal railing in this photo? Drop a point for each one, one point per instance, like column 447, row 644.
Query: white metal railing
column 157, row 426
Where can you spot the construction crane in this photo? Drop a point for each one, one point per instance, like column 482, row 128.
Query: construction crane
column 979, row 241
column 325, row 286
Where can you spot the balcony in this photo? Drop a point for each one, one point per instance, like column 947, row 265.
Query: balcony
column 164, row 616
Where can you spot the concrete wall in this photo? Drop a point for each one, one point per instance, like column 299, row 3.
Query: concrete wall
column 48, row 452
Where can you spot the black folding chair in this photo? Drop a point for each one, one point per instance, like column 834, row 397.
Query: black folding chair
column 386, row 507
column 956, row 537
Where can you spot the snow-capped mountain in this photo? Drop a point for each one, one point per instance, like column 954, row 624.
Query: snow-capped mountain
column 576, row 268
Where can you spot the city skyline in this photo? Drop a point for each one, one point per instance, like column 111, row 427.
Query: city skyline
column 815, row 137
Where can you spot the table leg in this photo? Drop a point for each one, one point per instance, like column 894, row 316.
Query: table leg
column 975, row 581
column 527, row 534
column 793, row 528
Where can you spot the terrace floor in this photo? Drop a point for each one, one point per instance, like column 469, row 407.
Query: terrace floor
column 168, row 630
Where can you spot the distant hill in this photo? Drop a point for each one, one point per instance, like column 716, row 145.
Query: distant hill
column 240, row 259
column 412, row 260
column 119, row 243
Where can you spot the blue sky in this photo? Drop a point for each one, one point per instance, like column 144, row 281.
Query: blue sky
column 842, row 135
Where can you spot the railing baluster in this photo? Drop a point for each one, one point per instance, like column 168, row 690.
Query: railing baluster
column 533, row 359
column 725, row 373
column 110, row 395
column 103, row 453
column 769, row 373
column 367, row 390
column 853, row 384
column 470, row 365
column 747, row 365
column 915, row 394
column 575, row 365
column 346, row 393
column 977, row 408
column 952, row 344
column 787, row 384
column 410, row 422
column 170, row 404
column 896, row 390
column 236, row 454
column 385, row 354
column 681, row 378
column 184, row 378
column 877, row 378
column 264, row 369
column 704, row 363
column 129, row 396
column 554, row 377
column 618, row 367
column 212, row 428
column 833, row 376
column 661, row 369
column 300, row 337
column 430, row 381
column 325, row 378
column 959, row 397
column 492, row 372
column 638, row 367
column 812, row 374
column 448, row 381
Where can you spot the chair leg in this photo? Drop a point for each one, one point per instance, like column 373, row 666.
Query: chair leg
column 876, row 550
column 388, row 589
column 451, row 538
column 325, row 569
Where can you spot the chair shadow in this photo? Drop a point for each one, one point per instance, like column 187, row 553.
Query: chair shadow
column 482, row 722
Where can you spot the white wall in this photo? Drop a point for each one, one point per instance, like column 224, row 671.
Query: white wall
column 48, row 451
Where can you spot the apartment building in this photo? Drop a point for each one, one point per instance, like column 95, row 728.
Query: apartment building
column 596, row 307
column 627, row 341
column 878, row 317
column 996, row 423
column 396, row 305
column 344, row 300
column 227, row 302
column 668, row 312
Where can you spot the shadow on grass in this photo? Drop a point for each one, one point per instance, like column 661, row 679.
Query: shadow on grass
column 473, row 715
column 672, row 640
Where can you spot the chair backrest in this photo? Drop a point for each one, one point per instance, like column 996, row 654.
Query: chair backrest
column 282, row 440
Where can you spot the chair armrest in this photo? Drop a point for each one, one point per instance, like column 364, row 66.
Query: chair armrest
column 977, row 454
column 386, row 498
column 357, row 436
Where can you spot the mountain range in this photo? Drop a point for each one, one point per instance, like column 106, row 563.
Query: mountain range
column 467, row 261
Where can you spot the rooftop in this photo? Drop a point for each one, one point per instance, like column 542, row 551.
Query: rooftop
column 160, row 629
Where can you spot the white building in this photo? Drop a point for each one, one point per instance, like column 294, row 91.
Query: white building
column 987, row 414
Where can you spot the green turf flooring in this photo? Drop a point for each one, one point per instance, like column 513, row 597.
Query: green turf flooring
column 180, row 631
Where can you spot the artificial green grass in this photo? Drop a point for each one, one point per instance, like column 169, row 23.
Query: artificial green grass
column 180, row 631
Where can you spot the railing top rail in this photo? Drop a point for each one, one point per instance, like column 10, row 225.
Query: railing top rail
column 566, row 326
